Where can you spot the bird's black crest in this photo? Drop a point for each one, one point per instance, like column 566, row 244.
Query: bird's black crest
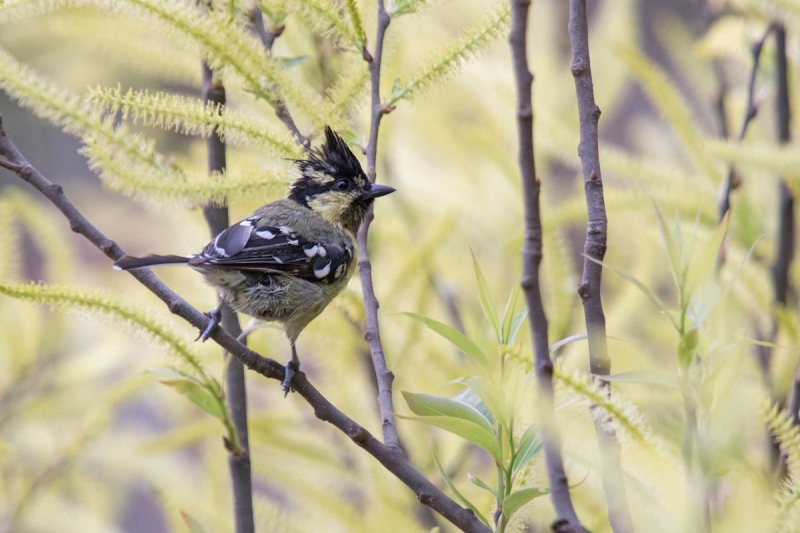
column 334, row 159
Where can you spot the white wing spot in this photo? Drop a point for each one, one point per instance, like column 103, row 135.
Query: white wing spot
column 322, row 251
column 339, row 271
column 324, row 271
column 293, row 242
column 311, row 252
column 285, row 229
column 220, row 251
column 277, row 259
column 265, row 234
column 246, row 223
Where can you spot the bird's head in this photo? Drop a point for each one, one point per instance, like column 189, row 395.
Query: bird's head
column 333, row 184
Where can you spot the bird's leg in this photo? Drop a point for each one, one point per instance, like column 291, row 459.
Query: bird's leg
column 291, row 367
column 214, row 315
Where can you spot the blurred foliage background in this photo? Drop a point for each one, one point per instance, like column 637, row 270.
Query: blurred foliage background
column 90, row 442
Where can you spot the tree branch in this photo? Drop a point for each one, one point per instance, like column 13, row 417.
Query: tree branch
column 594, row 250
column 394, row 461
column 372, row 334
column 235, row 388
column 268, row 39
column 566, row 519
column 786, row 232
column 751, row 110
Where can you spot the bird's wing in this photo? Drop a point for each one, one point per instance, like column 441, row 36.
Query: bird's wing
column 276, row 249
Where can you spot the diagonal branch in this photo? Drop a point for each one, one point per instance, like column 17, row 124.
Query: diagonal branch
column 372, row 333
column 567, row 520
column 594, row 250
column 268, row 39
column 389, row 456
column 750, row 112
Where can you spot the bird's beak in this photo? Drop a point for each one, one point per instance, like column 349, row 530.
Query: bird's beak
column 376, row 190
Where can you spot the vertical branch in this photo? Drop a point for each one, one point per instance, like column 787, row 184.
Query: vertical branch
column 780, row 270
column 239, row 454
column 567, row 520
column 594, row 250
column 786, row 233
column 372, row 333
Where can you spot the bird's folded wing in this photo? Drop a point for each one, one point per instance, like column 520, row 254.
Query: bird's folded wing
column 244, row 246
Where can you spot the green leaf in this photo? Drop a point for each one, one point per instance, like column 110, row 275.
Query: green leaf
column 171, row 372
column 516, row 323
column 671, row 242
column 456, row 337
column 686, row 347
column 529, row 445
column 198, row 395
column 486, row 298
column 567, row 340
column 515, row 500
column 457, row 494
column 642, row 287
column 489, row 392
column 703, row 264
column 508, row 315
column 654, row 377
column 289, row 62
column 429, row 405
column 477, row 481
column 468, row 397
column 474, row 433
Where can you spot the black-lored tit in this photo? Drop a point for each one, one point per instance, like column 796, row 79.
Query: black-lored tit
column 290, row 258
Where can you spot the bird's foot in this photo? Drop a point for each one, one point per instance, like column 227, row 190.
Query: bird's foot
column 214, row 316
column 291, row 367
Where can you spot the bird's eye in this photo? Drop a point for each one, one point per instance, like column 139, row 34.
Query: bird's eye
column 341, row 185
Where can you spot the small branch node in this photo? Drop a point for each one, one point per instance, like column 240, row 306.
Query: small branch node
column 424, row 498
column 366, row 55
column 545, row 367
column 56, row 188
column 577, row 68
column 596, row 112
column 584, row 291
column 359, row 435
column 593, row 176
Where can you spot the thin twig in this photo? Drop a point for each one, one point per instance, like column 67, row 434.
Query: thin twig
column 281, row 110
column 235, row 388
column 594, row 250
column 566, row 518
column 372, row 333
column 750, row 112
column 394, row 461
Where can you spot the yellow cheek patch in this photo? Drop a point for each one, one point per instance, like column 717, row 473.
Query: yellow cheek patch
column 330, row 205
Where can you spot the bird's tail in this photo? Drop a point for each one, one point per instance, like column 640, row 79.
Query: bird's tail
column 129, row 263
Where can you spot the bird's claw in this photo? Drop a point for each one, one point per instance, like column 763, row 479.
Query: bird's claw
column 291, row 367
column 214, row 316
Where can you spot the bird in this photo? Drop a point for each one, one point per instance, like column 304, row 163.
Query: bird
column 289, row 259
